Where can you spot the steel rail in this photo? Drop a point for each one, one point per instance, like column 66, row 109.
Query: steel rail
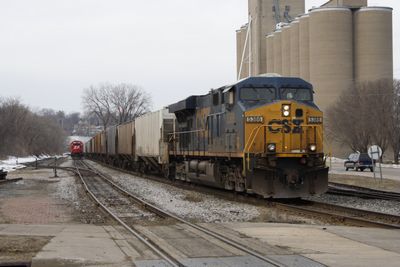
column 164, row 213
column 46, row 162
column 363, row 192
column 333, row 211
column 11, row 180
column 172, row 261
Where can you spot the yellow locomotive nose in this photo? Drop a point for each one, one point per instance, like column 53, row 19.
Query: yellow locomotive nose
column 286, row 127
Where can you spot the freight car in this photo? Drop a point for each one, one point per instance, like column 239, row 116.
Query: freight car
column 261, row 135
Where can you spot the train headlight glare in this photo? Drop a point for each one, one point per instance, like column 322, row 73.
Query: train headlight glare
column 286, row 113
column 286, row 107
column 313, row 148
column 271, row 147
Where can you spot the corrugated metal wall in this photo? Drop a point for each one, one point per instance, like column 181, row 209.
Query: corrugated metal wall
column 148, row 133
column 125, row 139
column 111, row 140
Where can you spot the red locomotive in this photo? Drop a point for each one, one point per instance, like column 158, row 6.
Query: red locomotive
column 76, row 149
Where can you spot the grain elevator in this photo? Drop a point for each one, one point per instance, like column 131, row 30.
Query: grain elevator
column 333, row 46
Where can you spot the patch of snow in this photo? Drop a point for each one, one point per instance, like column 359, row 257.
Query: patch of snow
column 335, row 160
column 15, row 163
column 394, row 166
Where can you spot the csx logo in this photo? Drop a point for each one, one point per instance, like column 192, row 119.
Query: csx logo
column 286, row 126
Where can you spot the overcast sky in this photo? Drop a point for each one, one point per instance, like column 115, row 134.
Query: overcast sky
column 51, row 49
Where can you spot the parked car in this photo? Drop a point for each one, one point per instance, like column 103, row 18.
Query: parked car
column 359, row 161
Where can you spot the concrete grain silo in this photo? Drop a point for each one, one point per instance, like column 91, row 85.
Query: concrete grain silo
column 278, row 52
column 270, row 53
column 373, row 44
column 240, row 47
column 265, row 14
column 304, row 47
column 331, row 53
column 285, row 50
column 294, row 49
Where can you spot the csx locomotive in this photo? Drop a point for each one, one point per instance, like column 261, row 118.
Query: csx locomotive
column 261, row 135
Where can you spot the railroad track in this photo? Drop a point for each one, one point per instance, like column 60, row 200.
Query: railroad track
column 47, row 162
column 361, row 192
column 11, row 180
column 111, row 197
column 346, row 215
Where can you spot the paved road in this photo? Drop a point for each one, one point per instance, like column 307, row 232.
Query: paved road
column 387, row 172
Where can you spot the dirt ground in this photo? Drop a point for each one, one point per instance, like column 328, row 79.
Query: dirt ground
column 386, row 184
column 42, row 199
column 20, row 248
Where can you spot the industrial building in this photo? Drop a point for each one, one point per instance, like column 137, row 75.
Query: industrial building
column 333, row 46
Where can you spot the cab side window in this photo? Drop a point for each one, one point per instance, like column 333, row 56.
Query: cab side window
column 215, row 97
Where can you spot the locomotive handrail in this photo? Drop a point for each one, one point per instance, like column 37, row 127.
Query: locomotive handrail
column 184, row 132
column 256, row 130
column 176, row 136
column 254, row 134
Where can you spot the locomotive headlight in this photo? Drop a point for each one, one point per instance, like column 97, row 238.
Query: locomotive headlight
column 286, row 110
column 271, row 147
column 313, row 148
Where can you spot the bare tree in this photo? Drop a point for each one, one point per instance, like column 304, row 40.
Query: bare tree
column 366, row 115
column 379, row 101
column 23, row 132
column 129, row 102
column 96, row 100
column 347, row 120
column 116, row 103
column 12, row 119
column 394, row 122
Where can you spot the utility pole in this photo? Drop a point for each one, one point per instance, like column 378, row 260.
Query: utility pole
column 244, row 49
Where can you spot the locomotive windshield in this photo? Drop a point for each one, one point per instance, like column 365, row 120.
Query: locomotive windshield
column 299, row 94
column 258, row 94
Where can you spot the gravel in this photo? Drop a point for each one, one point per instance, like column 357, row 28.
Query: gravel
column 67, row 189
column 383, row 206
column 187, row 204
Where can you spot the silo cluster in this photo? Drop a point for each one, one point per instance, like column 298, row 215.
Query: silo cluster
column 263, row 17
column 333, row 48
